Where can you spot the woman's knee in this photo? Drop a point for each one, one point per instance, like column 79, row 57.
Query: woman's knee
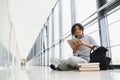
column 72, row 61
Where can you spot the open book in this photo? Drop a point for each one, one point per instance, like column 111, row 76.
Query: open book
column 72, row 42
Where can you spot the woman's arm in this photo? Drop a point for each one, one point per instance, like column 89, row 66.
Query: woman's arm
column 85, row 44
column 81, row 43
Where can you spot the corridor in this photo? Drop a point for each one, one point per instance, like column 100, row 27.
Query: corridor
column 32, row 32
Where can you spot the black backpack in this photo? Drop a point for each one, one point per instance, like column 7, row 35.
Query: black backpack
column 98, row 54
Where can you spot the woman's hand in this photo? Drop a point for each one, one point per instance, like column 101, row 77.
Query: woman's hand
column 82, row 43
column 75, row 46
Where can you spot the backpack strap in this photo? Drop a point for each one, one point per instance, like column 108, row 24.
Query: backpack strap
column 93, row 48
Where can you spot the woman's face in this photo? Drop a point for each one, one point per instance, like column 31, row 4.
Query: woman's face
column 78, row 32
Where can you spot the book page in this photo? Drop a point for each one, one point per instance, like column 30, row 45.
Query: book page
column 88, row 64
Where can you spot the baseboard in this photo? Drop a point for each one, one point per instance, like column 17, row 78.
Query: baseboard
column 116, row 66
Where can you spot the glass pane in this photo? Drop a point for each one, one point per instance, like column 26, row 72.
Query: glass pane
column 50, row 54
column 93, row 31
column 113, row 25
column 66, row 16
column 50, row 37
column 56, row 22
column 46, row 58
column 50, row 31
column 114, row 22
column 56, row 51
column 45, row 38
column 115, row 55
column 85, row 8
column 67, row 50
column 114, row 31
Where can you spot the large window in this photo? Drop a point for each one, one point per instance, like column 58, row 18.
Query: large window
column 50, row 37
column 113, row 25
column 56, row 31
column 50, row 31
column 66, row 16
column 93, row 30
column 67, row 50
column 45, row 38
column 56, row 54
column 90, row 23
column 56, row 22
column 85, row 8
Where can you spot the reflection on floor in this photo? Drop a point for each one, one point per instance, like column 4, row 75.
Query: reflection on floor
column 45, row 73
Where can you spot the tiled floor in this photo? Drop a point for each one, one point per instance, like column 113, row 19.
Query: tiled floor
column 45, row 73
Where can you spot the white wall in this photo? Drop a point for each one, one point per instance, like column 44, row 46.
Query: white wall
column 9, row 51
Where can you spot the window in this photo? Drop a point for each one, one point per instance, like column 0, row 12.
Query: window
column 66, row 16
column 113, row 25
column 93, row 30
column 50, row 31
column 45, row 36
column 56, row 55
column 84, row 8
column 67, row 50
column 56, row 22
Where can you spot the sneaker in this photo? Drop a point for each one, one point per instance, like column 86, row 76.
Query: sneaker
column 52, row 67
column 55, row 68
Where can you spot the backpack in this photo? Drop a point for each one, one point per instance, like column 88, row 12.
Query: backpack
column 99, row 55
